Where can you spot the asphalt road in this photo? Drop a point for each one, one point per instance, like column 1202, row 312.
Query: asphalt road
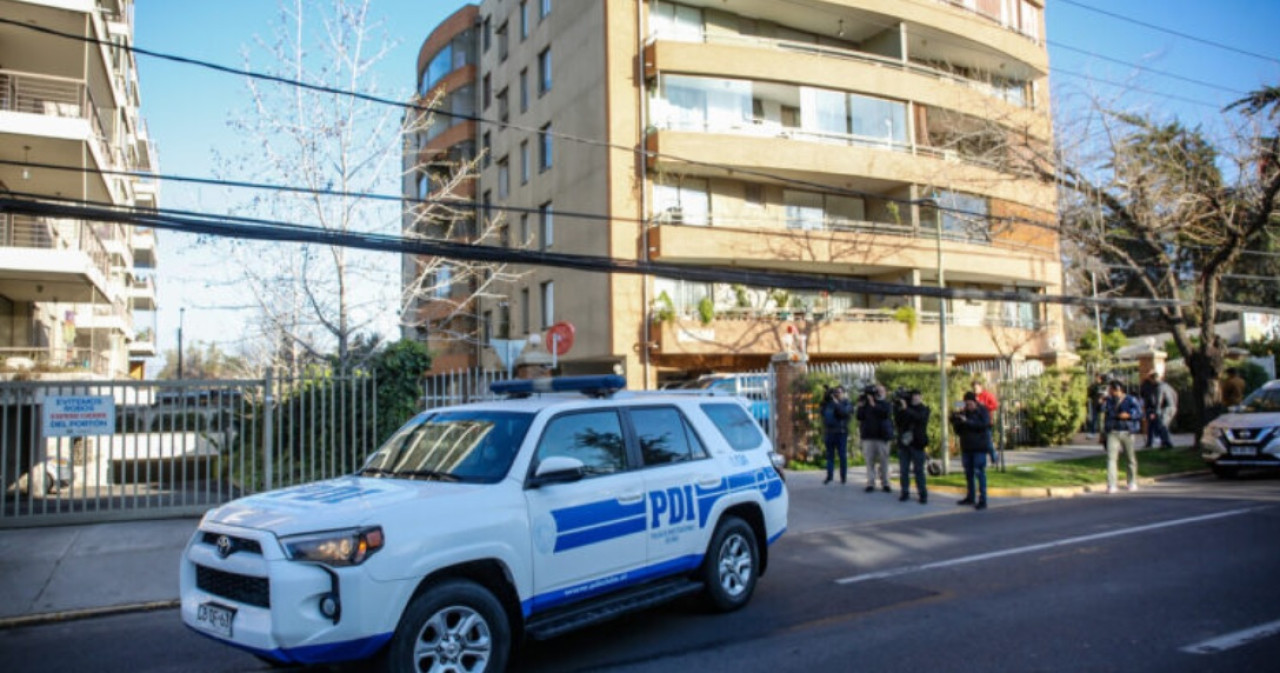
column 1184, row 576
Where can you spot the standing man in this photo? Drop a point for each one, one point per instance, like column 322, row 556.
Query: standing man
column 972, row 424
column 1097, row 397
column 1161, row 413
column 912, row 420
column 835, row 421
column 875, row 429
column 1147, row 393
column 1122, row 414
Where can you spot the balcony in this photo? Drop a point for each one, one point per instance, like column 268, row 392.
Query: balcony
column 111, row 318
column 851, row 333
column 52, row 260
column 144, row 345
column 144, row 248
column 142, row 293
column 38, row 361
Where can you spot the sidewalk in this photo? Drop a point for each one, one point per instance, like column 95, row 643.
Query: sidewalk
column 69, row 572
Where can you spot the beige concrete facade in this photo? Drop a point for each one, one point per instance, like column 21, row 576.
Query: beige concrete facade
column 768, row 134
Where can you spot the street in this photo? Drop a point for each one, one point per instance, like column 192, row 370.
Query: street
column 1179, row 577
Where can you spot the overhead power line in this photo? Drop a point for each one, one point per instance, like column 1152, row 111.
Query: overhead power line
column 1185, row 36
column 267, row 230
column 1154, row 71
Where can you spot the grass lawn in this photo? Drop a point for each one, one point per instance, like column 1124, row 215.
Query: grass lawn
column 1079, row 471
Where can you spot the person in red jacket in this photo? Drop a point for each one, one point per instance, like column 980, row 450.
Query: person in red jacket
column 986, row 398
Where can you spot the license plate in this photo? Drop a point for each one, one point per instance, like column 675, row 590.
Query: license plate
column 215, row 618
column 1244, row 450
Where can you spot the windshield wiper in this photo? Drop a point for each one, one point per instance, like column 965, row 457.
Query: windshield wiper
column 377, row 471
column 429, row 474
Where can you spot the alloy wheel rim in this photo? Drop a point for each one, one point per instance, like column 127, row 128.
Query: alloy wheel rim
column 735, row 565
column 456, row 639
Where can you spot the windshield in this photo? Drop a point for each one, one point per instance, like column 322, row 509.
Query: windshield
column 1261, row 400
column 467, row 446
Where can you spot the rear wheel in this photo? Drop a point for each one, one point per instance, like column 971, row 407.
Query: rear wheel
column 456, row 626
column 732, row 565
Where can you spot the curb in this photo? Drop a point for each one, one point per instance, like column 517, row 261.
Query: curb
column 86, row 613
column 1062, row 491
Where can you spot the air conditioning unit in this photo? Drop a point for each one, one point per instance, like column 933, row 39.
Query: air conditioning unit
column 673, row 215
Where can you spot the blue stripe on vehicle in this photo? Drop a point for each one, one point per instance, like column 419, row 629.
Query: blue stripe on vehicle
column 595, row 513
column 775, row 537
column 584, row 537
column 609, row 584
column 327, row 653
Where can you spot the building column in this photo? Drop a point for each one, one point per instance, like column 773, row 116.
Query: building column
column 788, row 368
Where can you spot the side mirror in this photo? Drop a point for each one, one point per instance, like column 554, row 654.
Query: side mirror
column 557, row 470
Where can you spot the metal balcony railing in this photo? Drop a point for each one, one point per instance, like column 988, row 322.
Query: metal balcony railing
column 63, row 97
column 25, row 231
column 19, row 359
column 1011, row 95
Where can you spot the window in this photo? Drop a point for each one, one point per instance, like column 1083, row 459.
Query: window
column 686, row 202
column 486, row 147
column 670, row 21
column 548, row 227
column 504, row 179
column 442, row 281
column 524, row 90
column 504, row 110
column 548, row 304
column 502, row 42
column 524, row 162
column 526, row 313
column 593, row 437
column 735, row 424
column 504, row 320
column 524, row 230
column 964, row 217
column 544, row 71
column 524, row 19
column 488, row 33
column 488, row 91
column 486, row 206
column 544, row 148
column 665, row 437
column 544, row 9
column 703, row 103
column 487, row 326
column 877, row 118
column 439, row 66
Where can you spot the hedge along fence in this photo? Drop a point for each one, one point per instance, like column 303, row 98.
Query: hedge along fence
column 927, row 379
column 1053, row 406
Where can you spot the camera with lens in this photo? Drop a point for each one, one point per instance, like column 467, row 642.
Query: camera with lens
column 904, row 394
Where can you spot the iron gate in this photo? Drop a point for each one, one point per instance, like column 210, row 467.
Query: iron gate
column 87, row 451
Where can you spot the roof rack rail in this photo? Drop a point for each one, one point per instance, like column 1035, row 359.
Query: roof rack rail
column 592, row 386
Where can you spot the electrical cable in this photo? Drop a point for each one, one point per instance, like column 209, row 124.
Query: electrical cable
column 266, row 230
column 1169, row 31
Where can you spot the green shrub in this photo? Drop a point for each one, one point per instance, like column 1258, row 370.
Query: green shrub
column 1054, row 404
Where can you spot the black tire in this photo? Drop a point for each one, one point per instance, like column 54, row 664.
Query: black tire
column 454, row 626
column 732, row 565
column 1225, row 472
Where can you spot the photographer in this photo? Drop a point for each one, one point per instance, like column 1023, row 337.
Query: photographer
column 912, row 420
column 972, row 424
column 875, row 429
column 836, row 410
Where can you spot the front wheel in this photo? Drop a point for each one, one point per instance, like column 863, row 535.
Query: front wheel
column 732, row 564
column 456, row 626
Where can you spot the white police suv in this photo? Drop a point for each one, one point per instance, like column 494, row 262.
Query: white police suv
column 477, row 525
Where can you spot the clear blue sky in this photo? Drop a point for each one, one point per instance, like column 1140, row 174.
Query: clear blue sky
column 187, row 108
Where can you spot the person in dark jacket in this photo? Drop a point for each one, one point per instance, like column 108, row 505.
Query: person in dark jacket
column 1123, row 414
column 875, row 429
column 972, row 424
column 836, row 411
column 912, row 421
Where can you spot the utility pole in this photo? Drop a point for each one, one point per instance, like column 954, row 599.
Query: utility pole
column 182, row 314
column 942, row 345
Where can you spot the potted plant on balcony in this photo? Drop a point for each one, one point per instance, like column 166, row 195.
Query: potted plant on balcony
column 782, row 299
column 906, row 314
column 706, row 310
column 664, row 310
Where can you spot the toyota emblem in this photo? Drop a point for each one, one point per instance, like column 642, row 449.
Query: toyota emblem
column 225, row 546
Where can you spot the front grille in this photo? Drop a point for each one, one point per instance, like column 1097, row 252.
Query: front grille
column 237, row 543
column 239, row 588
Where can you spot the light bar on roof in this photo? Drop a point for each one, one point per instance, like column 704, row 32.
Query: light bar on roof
column 595, row 386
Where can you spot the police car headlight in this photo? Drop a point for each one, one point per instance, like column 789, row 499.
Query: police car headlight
column 349, row 547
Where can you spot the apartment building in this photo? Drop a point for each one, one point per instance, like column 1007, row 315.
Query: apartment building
column 77, row 298
column 860, row 139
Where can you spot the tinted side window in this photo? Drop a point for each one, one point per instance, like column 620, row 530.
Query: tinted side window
column 665, row 437
column 595, row 438
column 735, row 424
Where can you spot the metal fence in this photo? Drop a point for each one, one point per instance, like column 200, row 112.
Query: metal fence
column 82, row 451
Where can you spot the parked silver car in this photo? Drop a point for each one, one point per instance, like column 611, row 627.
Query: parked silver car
column 1248, row 436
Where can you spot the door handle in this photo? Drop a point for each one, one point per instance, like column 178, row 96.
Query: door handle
column 709, row 481
column 631, row 498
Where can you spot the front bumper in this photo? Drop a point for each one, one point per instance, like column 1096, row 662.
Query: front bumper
column 277, row 602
